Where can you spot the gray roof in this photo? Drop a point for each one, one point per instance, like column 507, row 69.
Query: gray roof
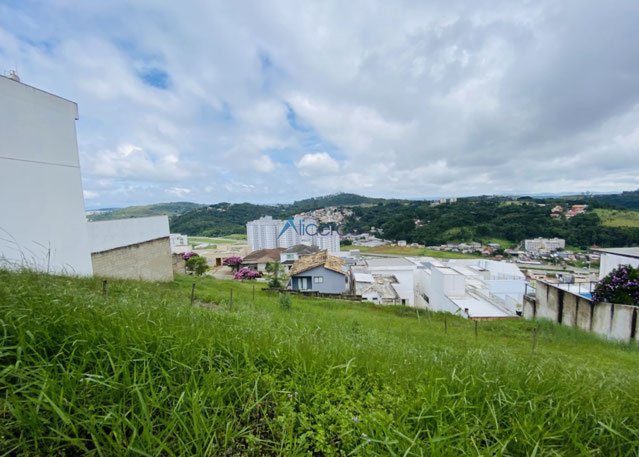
column 625, row 252
column 382, row 284
column 302, row 249
column 389, row 262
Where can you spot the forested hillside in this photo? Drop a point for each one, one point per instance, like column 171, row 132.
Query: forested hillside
column 628, row 200
column 227, row 218
column 468, row 219
column 159, row 209
column 476, row 219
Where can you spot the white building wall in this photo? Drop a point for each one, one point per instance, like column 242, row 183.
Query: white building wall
column 438, row 299
column 42, row 217
column 405, row 287
column 609, row 262
column 107, row 235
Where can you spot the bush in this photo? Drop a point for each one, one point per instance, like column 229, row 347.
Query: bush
column 244, row 273
column 285, row 301
column 276, row 271
column 233, row 262
column 620, row 286
column 197, row 265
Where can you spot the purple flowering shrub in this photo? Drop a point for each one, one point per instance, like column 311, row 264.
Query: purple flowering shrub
column 233, row 262
column 245, row 273
column 188, row 255
column 620, row 286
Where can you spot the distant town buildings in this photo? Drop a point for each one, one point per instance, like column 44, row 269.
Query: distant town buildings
column 179, row 243
column 575, row 210
column 544, row 244
column 269, row 233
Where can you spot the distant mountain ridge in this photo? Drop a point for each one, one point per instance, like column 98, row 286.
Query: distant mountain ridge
column 469, row 219
column 158, row 209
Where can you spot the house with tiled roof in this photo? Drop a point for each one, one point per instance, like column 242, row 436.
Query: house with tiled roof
column 319, row 272
column 257, row 260
column 290, row 256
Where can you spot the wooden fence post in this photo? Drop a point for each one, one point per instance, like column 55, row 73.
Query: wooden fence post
column 192, row 294
column 104, row 289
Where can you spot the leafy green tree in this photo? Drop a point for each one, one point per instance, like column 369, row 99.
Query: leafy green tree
column 276, row 272
column 197, row 265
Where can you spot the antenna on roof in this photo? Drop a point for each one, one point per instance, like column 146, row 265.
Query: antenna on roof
column 13, row 75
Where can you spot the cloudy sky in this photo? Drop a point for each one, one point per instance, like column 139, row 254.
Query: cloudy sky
column 281, row 100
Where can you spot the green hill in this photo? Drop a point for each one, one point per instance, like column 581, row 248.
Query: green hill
column 481, row 219
column 158, row 209
column 143, row 373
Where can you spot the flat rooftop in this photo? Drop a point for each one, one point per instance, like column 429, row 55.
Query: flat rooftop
column 389, row 262
column 626, row 252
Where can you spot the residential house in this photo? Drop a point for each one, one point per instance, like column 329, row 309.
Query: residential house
column 319, row 272
column 471, row 288
column 257, row 260
column 403, row 269
column 377, row 288
column 290, row 255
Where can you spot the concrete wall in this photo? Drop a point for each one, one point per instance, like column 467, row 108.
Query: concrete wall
column 107, row 235
column 179, row 264
column 42, row 219
column 149, row 261
column 613, row 321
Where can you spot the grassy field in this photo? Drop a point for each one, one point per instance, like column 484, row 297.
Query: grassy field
column 203, row 239
column 142, row 373
column 618, row 218
column 410, row 251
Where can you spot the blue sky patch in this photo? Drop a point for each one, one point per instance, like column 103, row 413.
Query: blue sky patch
column 155, row 77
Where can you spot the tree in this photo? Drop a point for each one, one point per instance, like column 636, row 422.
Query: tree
column 244, row 273
column 275, row 271
column 233, row 262
column 620, row 286
column 196, row 265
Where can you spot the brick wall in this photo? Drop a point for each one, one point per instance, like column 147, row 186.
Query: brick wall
column 149, row 261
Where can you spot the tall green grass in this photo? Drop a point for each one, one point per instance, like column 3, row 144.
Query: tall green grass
column 145, row 373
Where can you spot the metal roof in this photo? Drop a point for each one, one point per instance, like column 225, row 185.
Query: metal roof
column 626, row 252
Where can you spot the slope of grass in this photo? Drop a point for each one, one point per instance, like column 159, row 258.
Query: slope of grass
column 618, row 218
column 144, row 373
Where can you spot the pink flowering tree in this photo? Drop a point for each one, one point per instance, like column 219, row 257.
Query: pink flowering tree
column 233, row 262
column 188, row 255
column 244, row 273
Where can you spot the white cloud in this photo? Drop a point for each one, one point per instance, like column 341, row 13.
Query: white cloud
column 320, row 163
column 415, row 100
column 179, row 192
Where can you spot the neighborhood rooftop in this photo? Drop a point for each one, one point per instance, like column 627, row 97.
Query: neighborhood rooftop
column 321, row 258
column 264, row 255
column 626, row 252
